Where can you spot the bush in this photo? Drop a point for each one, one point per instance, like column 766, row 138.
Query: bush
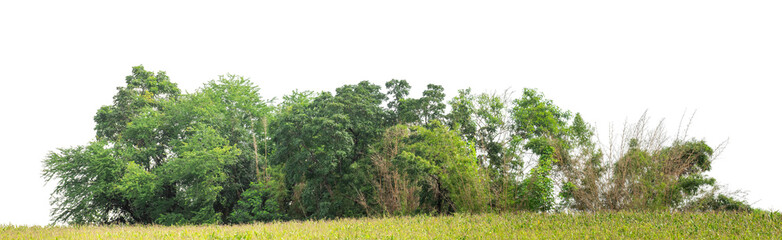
column 720, row 202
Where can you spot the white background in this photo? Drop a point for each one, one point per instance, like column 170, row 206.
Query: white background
column 609, row 60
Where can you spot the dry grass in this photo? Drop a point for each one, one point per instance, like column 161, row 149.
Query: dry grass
column 621, row 225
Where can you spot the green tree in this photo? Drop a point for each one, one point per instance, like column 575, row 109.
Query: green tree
column 544, row 129
column 431, row 103
column 264, row 201
column 536, row 116
column 427, row 169
column 324, row 146
column 175, row 158
column 536, row 192
column 240, row 117
column 144, row 89
column 396, row 183
column 659, row 179
column 461, row 115
column 397, row 92
column 508, row 135
column 582, row 170
column 448, row 172
column 139, row 191
column 485, row 119
column 403, row 110
column 198, row 176
column 233, row 108
column 86, row 179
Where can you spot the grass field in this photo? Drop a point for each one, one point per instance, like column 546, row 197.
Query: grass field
column 485, row 226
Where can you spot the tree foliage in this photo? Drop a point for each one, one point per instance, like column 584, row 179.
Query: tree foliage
column 86, row 175
column 223, row 154
column 144, row 89
column 323, row 146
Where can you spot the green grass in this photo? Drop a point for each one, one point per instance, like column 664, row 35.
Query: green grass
column 624, row 225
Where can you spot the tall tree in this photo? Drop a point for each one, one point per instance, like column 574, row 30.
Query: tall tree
column 542, row 128
column 461, row 115
column 143, row 89
column 175, row 158
column 431, row 104
column 447, row 169
column 397, row 92
column 427, row 169
column 198, row 173
column 324, row 145
column 536, row 116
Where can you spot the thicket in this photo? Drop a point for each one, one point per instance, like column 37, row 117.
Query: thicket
column 223, row 154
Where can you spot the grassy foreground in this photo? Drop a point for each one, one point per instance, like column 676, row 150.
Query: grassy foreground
column 718, row 225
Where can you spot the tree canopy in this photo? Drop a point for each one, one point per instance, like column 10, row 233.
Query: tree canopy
column 224, row 154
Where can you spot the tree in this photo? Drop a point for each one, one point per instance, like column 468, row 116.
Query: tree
column 659, row 179
column 324, row 147
column 397, row 190
column 427, row 169
column 431, row 104
column 89, row 179
column 143, row 89
column 536, row 192
column 233, row 108
column 140, row 191
column 499, row 150
column 450, row 176
column 397, row 92
column 509, row 135
column 583, row 170
column 198, row 175
column 461, row 115
column 403, row 110
column 536, row 116
column 239, row 118
column 86, row 181
column 264, row 201
column 172, row 158
column 542, row 128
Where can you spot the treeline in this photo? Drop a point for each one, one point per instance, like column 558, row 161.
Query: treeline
column 223, row 154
